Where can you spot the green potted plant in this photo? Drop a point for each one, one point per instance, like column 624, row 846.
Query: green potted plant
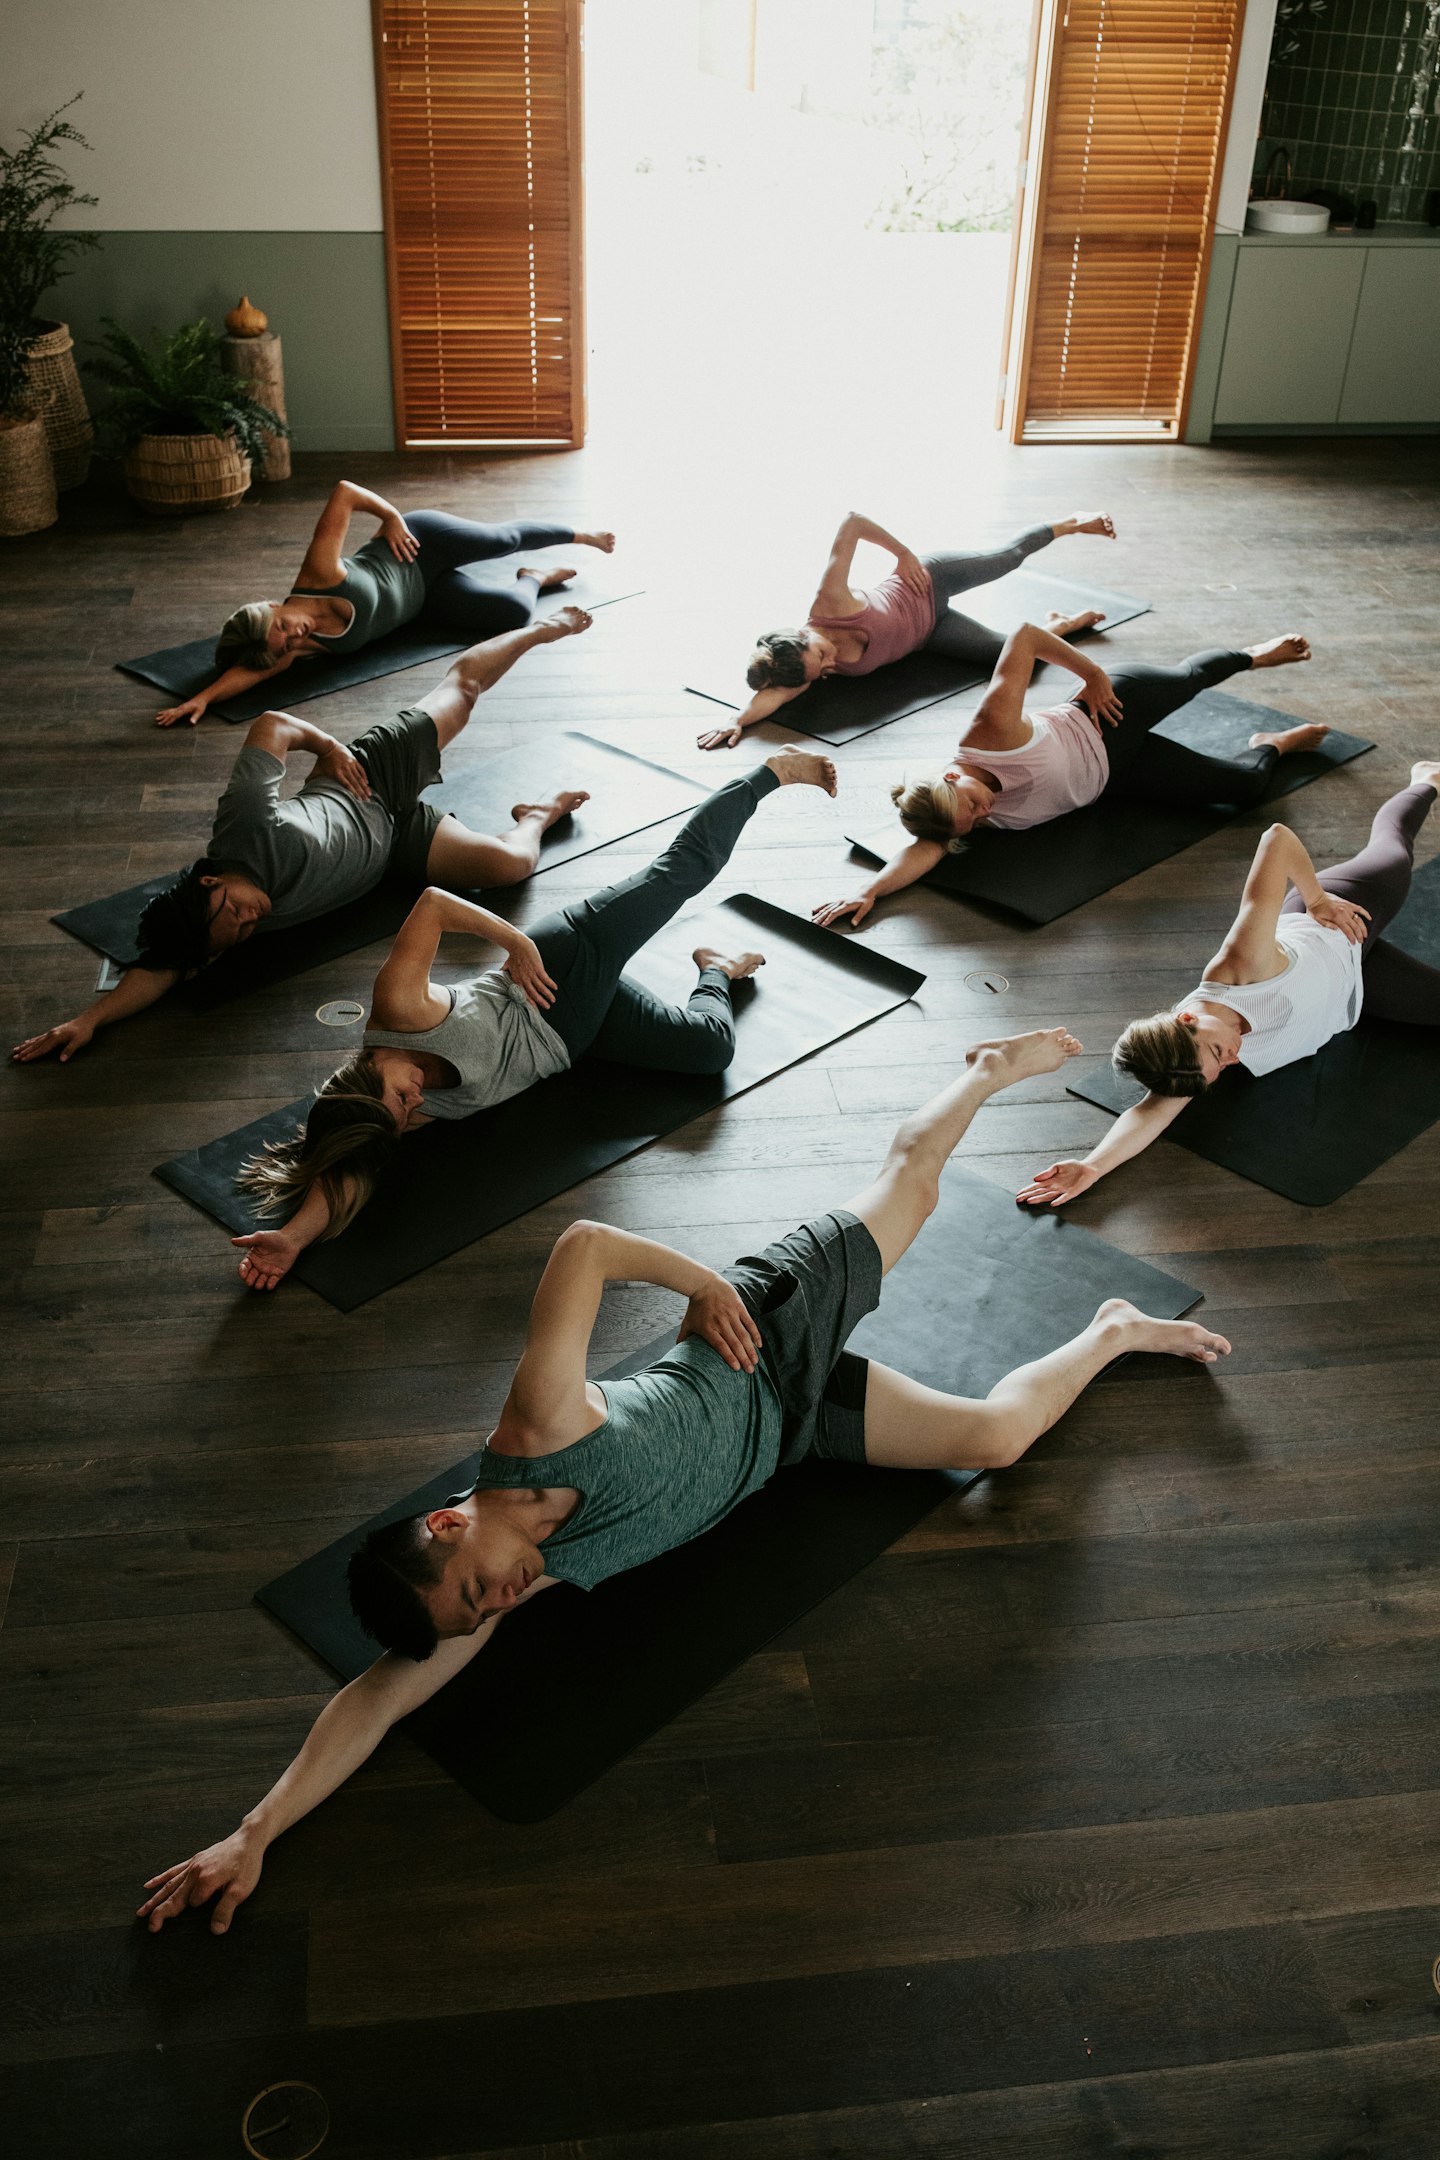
column 33, row 257
column 188, row 432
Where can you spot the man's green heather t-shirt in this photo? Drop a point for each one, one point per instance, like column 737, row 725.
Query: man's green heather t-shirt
column 685, row 1441
column 310, row 852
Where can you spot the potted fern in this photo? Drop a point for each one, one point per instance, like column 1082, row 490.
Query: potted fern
column 33, row 257
column 187, row 431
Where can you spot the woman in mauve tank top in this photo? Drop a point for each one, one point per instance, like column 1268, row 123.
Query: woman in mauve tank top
column 850, row 632
column 1303, row 954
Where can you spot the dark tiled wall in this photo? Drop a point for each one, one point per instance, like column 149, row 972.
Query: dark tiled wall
column 1354, row 95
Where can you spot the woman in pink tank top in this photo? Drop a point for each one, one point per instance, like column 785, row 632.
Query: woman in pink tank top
column 850, row 632
column 1013, row 768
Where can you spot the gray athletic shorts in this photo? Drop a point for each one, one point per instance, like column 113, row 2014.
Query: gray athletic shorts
column 808, row 1292
column 402, row 757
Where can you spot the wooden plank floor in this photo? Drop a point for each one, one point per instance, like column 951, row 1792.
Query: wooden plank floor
column 1099, row 1817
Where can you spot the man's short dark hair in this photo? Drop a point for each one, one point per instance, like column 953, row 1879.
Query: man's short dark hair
column 175, row 927
column 387, row 1577
column 778, row 661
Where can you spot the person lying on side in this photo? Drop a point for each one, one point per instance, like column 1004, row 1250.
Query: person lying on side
column 853, row 632
column 581, row 1479
column 1013, row 769
column 417, row 568
column 561, row 994
column 1302, row 956
column 273, row 862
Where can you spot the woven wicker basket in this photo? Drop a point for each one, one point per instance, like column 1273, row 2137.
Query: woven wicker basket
column 50, row 364
column 170, row 474
column 27, row 477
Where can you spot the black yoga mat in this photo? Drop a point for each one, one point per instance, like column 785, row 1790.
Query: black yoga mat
column 1312, row 1130
column 456, row 1182
column 1053, row 868
column 182, row 670
column 628, row 795
column 843, row 707
column 577, row 1679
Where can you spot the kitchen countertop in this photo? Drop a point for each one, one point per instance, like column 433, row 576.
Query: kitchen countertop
column 1381, row 236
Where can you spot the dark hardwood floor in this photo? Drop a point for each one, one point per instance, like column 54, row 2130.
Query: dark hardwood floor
column 1100, row 1817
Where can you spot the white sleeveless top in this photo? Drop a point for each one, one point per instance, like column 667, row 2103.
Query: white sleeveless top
column 1293, row 1014
column 1063, row 766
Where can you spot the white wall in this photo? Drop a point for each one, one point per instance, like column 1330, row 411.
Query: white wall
column 1250, row 73
column 204, row 115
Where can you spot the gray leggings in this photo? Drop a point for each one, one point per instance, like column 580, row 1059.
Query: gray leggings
column 585, row 947
column 960, row 636
column 1397, row 987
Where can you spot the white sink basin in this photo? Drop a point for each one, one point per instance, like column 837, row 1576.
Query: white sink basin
column 1287, row 217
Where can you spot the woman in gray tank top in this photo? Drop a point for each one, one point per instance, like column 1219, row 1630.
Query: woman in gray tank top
column 1304, row 952
column 417, row 568
column 562, row 993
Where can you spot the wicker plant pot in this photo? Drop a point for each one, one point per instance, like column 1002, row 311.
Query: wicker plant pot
column 172, row 474
column 27, row 476
column 50, row 364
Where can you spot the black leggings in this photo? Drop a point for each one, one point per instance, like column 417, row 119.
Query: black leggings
column 1397, row 987
column 1150, row 768
column 960, row 636
column 585, row 947
column 476, row 604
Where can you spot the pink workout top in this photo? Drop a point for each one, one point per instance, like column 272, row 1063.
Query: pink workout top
column 1063, row 766
column 895, row 620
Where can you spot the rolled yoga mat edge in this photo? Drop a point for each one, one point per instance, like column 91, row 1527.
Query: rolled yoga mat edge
column 576, row 1680
column 1051, row 869
column 459, row 1180
column 1314, row 1129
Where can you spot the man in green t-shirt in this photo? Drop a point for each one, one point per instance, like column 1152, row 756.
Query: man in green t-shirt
column 579, row 1480
column 274, row 861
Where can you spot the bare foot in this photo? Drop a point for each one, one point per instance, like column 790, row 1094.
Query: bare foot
column 1091, row 521
column 737, row 966
column 1017, row 1057
column 550, row 580
column 794, row 767
column 1279, row 651
column 1136, row 1330
column 568, row 623
column 562, row 804
column 605, row 541
column 1072, row 625
column 1285, row 740
column 1425, row 774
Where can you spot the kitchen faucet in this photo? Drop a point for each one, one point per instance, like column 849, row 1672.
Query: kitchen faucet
column 1284, row 155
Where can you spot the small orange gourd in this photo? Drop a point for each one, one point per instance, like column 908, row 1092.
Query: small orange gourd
column 246, row 320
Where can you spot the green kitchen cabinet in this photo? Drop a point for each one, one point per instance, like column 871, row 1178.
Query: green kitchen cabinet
column 1394, row 371
column 1287, row 343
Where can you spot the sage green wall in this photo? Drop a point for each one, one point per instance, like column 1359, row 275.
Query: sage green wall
column 324, row 292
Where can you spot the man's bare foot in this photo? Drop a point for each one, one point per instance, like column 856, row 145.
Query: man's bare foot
column 1085, row 521
column 1073, row 625
column 568, row 623
column 550, row 580
column 1135, row 1330
column 1425, row 774
column 736, row 965
column 605, row 541
column 794, row 767
column 1279, row 651
column 562, row 804
column 1287, row 739
column 1017, row 1057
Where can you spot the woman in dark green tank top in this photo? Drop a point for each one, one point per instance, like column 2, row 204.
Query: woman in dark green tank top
column 416, row 567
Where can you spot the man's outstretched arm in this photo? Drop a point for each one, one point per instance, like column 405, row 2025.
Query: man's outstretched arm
column 137, row 988
column 348, row 1729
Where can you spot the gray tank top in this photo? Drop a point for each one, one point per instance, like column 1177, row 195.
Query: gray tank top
column 382, row 591
column 685, row 1441
column 493, row 1036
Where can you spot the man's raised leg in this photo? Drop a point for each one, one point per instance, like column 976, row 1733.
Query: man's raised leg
column 480, row 667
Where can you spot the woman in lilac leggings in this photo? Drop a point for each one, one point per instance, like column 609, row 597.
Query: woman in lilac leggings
column 417, row 568
column 853, row 633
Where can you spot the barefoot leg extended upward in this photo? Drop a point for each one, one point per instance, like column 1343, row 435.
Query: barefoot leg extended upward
column 908, row 1425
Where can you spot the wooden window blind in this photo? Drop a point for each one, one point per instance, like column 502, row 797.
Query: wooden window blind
column 480, row 151
column 1128, row 126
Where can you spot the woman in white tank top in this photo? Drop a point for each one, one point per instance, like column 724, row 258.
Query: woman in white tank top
column 1014, row 768
column 1301, row 957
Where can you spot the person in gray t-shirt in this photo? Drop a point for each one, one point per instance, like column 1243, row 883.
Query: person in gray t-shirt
column 274, row 860
column 580, row 1480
